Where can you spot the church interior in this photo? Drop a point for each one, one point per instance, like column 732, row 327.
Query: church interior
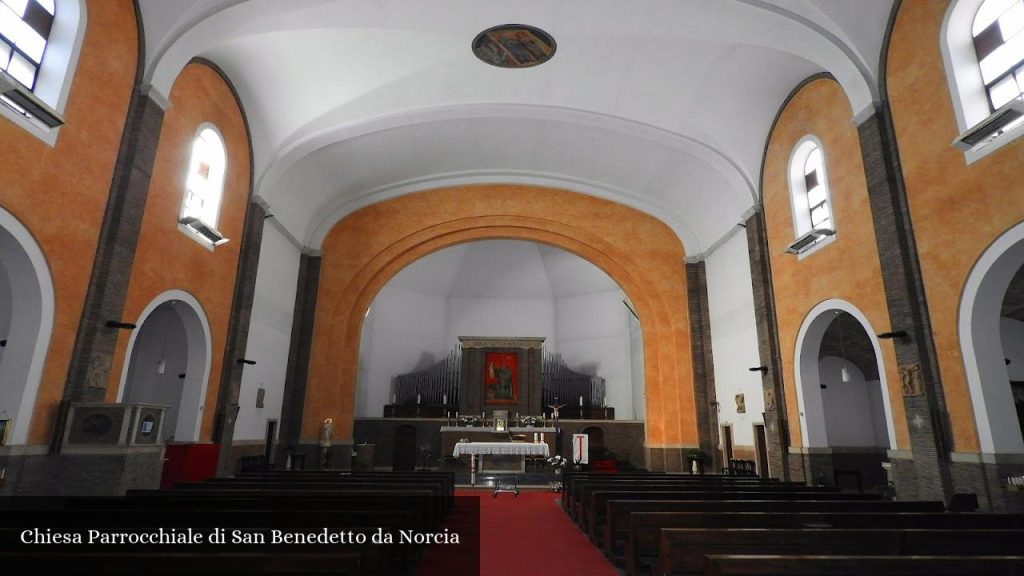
column 515, row 243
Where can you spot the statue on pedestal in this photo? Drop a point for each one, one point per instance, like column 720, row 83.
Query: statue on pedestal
column 326, row 433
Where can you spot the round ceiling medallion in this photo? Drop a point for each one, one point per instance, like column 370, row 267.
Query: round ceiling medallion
column 514, row 46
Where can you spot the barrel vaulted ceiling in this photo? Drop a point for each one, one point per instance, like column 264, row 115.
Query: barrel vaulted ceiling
column 662, row 105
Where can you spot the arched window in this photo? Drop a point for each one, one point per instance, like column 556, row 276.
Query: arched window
column 39, row 45
column 24, row 32
column 983, row 48
column 204, row 186
column 812, row 209
column 998, row 34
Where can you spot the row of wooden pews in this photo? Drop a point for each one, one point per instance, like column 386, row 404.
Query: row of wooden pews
column 667, row 524
column 272, row 524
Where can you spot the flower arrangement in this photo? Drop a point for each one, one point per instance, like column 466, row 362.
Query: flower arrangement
column 529, row 421
column 557, row 462
column 469, row 421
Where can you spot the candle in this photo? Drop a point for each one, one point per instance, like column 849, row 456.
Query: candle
column 444, row 400
column 535, row 437
column 418, row 399
column 456, row 415
column 394, row 398
column 581, row 401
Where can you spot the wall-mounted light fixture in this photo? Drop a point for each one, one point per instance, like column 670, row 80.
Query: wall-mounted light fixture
column 120, row 325
column 898, row 334
column 761, row 369
column 246, row 361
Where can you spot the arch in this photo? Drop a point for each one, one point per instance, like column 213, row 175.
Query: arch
column 370, row 246
column 808, row 345
column 197, row 372
column 29, row 285
column 981, row 343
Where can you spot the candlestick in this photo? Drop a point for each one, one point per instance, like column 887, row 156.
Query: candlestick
column 444, row 400
column 418, row 399
column 581, row 401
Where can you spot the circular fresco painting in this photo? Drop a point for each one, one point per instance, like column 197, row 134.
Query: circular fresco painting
column 514, row 46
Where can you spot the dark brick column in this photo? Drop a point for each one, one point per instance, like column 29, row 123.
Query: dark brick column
column 294, row 400
column 703, row 363
column 238, row 335
column 775, row 422
column 95, row 343
column 908, row 311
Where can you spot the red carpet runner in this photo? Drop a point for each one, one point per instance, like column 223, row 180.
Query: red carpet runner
column 531, row 536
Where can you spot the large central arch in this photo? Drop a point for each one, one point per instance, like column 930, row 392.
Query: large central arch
column 364, row 250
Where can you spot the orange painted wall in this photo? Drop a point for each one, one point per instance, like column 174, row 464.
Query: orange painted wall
column 957, row 210
column 166, row 258
column 364, row 250
column 846, row 269
column 60, row 193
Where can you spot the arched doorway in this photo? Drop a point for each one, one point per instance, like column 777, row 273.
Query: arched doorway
column 169, row 363
column 992, row 342
column 26, row 323
column 846, row 416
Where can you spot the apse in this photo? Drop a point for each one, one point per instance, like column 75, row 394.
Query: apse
column 502, row 288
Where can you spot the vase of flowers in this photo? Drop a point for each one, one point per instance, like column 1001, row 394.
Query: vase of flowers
column 558, row 463
column 529, row 421
column 469, row 421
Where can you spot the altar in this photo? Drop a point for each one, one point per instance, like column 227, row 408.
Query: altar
column 480, row 449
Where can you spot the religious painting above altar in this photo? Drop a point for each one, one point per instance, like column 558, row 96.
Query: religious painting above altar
column 501, row 378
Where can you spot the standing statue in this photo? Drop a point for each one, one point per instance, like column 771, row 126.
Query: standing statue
column 326, row 432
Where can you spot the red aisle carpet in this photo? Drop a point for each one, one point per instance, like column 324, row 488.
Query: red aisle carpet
column 530, row 535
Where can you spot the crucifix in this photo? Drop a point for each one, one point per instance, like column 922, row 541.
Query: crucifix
column 554, row 410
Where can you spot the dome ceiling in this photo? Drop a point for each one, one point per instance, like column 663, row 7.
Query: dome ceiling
column 662, row 105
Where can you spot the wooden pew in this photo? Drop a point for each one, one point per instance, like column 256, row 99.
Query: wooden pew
column 774, row 565
column 618, row 512
column 422, row 501
column 446, row 479
column 682, row 550
column 582, row 497
column 596, row 518
column 571, row 494
column 639, row 550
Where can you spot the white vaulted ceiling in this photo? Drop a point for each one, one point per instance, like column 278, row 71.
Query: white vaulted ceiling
column 663, row 105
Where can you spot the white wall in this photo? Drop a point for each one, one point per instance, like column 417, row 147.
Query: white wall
column 1012, row 332
column 6, row 314
column 519, row 317
column 636, row 362
column 854, row 415
column 734, row 337
column 405, row 332
column 270, row 331
column 592, row 335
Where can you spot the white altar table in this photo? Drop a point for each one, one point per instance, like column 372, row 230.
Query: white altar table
column 475, row 449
